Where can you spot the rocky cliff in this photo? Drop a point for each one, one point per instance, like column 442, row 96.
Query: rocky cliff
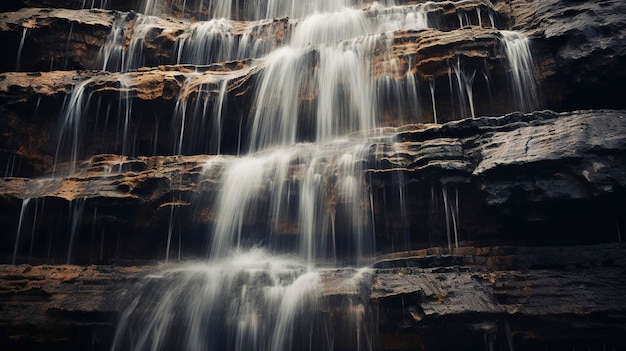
column 503, row 226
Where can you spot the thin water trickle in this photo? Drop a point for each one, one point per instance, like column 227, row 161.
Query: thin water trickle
column 10, row 167
column 169, row 233
column 101, row 4
column 67, row 46
column 461, row 92
column 34, row 226
column 468, row 79
column 451, row 208
column 19, row 228
column 492, row 19
column 125, row 107
column 76, row 208
column 217, row 122
column 444, row 193
column 431, row 84
column 18, row 60
column 452, row 214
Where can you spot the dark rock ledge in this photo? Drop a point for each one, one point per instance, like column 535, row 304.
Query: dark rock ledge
column 483, row 293
column 544, row 177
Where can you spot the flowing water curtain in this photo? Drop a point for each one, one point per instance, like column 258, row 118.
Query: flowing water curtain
column 333, row 61
column 251, row 301
column 113, row 54
column 346, row 101
column 74, row 128
column 124, row 49
column 250, row 10
column 251, row 202
column 521, row 71
column 72, row 124
column 275, row 110
column 206, row 42
column 256, row 9
column 311, row 200
column 334, row 218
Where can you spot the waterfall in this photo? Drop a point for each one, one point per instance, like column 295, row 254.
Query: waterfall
column 297, row 199
column 300, row 189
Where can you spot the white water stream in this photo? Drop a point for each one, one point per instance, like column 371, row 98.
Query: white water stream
column 522, row 71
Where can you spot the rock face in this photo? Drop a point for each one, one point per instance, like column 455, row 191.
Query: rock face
column 538, row 297
column 538, row 178
column 503, row 226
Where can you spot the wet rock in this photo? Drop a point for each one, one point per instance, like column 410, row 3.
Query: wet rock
column 513, row 178
column 31, row 141
column 532, row 297
column 61, row 306
column 546, row 179
column 62, row 39
column 581, row 46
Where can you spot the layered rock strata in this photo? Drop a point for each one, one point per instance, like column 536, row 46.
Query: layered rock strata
column 540, row 197
column 535, row 297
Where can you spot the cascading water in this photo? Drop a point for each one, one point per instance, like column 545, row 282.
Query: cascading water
column 309, row 199
column 71, row 124
column 248, row 301
column 522, row 71
column 300, row 200
column 216, row 41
